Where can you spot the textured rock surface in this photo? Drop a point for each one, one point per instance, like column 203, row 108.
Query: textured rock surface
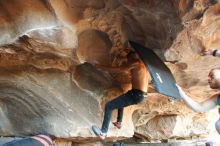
column 53, row 105
column 48, row 81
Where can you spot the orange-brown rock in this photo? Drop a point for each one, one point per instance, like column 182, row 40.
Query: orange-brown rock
column 48, row 81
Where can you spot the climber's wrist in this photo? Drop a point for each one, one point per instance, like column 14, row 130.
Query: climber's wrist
column 214, row 52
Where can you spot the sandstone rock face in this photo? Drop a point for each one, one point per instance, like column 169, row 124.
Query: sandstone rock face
column 48, row 81
column 96, row 49
column 49, row 106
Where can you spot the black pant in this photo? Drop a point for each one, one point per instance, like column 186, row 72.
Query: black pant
column 132, row 97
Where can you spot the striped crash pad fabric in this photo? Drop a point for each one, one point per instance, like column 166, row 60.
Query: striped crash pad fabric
column 38, row 140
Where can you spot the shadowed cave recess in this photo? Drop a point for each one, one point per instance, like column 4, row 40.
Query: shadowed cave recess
column 49, row 82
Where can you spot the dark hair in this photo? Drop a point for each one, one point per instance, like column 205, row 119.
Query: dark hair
column 130, row 53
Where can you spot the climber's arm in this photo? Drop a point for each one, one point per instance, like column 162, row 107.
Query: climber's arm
column 213, row 52
column 196, row 106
